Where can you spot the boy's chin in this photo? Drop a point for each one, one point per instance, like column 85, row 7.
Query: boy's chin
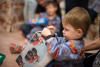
column 69, row 38
column 51, row 14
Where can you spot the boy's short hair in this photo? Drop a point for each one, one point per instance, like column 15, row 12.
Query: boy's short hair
column 79, row 18
column 51, row 3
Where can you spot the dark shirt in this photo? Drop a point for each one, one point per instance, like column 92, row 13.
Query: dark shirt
column 69, row 4
column 40, row 9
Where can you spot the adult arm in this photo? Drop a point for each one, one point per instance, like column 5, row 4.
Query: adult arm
column 94, row 45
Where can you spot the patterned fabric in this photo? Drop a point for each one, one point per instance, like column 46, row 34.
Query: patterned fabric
column 68, row 51
column 14, row 48
column 96, row 62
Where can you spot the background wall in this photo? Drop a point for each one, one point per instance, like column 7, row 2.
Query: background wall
column 11, row 14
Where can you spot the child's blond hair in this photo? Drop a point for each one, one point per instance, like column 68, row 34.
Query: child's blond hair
column 79, row 18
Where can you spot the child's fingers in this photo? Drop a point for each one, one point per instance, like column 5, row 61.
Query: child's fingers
column 46, row 32
column 52, row 29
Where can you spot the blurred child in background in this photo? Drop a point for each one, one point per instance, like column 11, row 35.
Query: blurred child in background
column 51, row 16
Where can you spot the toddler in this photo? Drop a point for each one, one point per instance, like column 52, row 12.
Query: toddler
column 68, row 51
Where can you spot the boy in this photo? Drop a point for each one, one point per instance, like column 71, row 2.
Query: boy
column 68, row 50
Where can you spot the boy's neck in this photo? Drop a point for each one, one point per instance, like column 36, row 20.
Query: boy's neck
column 76, row 39
column 79, row 38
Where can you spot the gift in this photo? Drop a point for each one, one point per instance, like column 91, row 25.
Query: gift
column 38, row 21
column 14, row 48
column 35, row 53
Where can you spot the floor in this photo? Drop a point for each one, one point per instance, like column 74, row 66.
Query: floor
column 5, row 41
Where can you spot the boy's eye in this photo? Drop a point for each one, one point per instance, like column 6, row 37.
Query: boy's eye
column 66, row 30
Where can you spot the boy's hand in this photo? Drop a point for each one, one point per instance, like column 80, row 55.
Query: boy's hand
column 50, row 30
column 46, row 32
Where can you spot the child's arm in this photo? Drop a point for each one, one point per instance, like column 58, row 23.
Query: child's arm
column 64, row 51
column 60, row 49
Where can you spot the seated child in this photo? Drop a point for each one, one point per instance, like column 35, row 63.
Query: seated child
column 51, row 16
column 68, row 51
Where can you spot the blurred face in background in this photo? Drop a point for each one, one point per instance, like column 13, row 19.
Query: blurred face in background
column 51, row 10
column 42, row 2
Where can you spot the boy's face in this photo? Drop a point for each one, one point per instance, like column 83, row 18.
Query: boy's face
column 51, row 10
column 70, row 33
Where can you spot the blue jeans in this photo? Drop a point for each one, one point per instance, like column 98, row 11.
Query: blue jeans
column 29, row 9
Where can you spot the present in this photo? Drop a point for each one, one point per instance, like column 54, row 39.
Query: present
column 35, row 53
column 2, row 57
column 14, row 48
column 38, row 21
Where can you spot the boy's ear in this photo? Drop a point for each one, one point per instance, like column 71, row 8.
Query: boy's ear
column 80, row 32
